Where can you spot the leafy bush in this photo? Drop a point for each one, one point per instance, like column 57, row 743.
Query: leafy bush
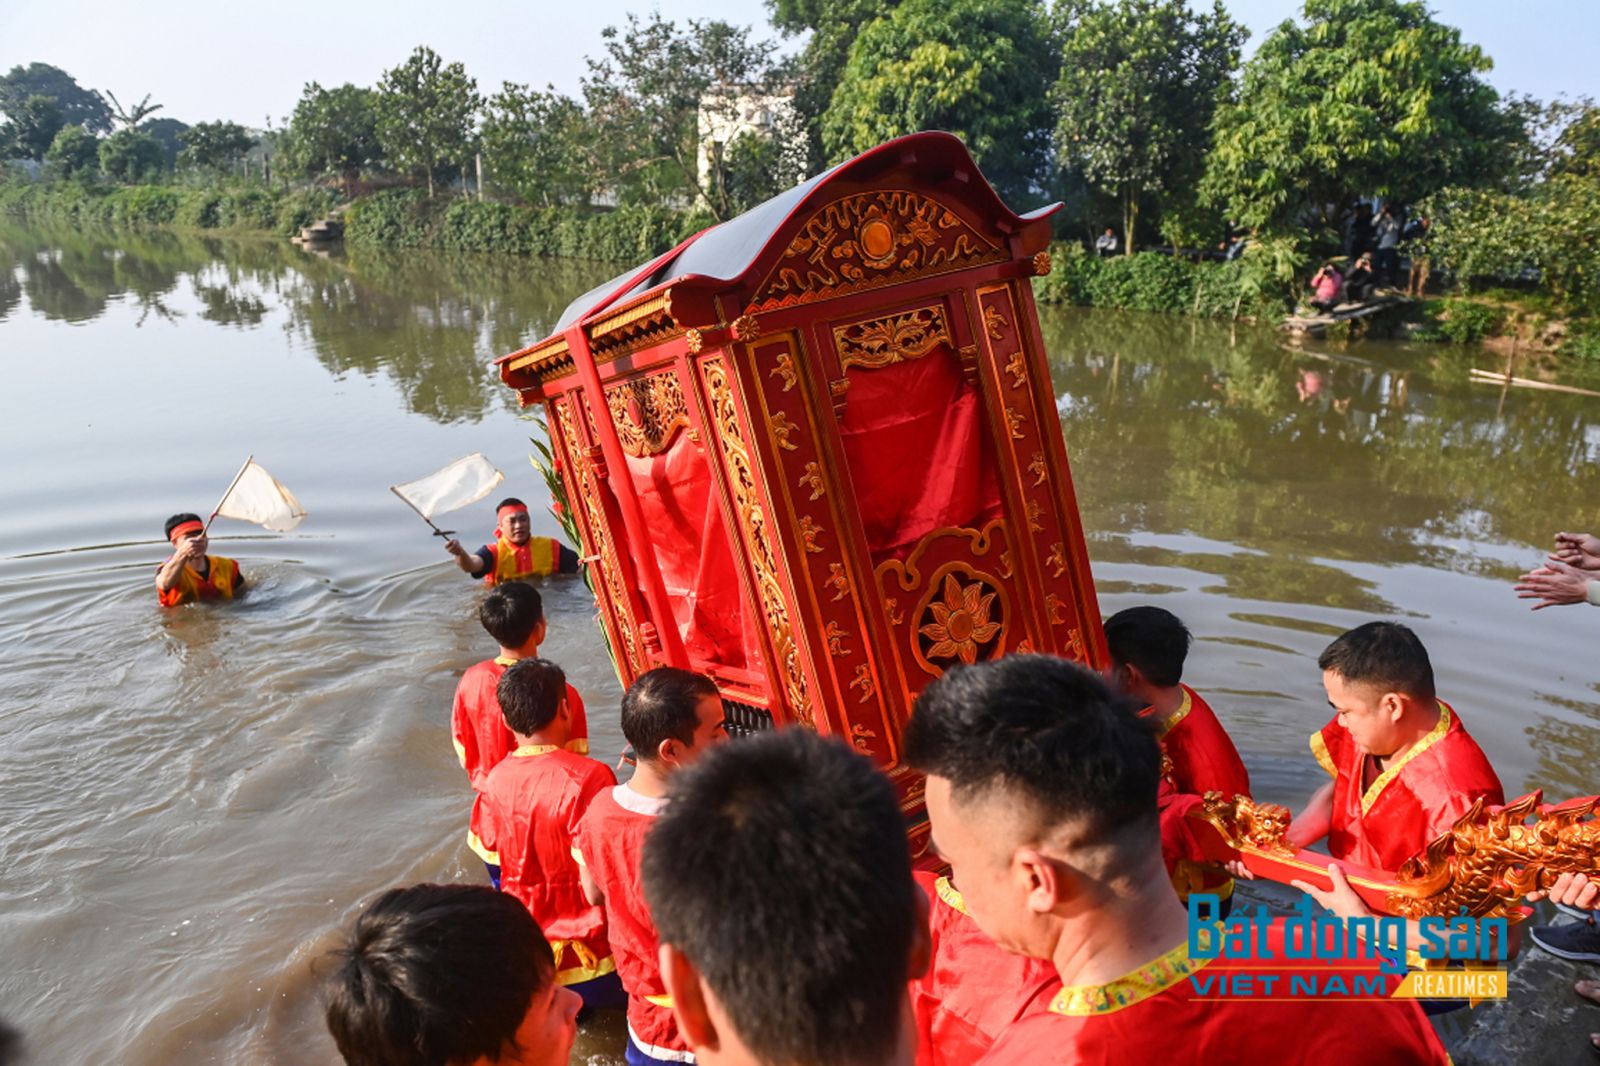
column 1583, row 339
column 241, row 207
column 1260, row 283
column 1461, row 321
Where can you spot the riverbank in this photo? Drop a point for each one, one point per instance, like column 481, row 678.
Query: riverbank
column 225, row 207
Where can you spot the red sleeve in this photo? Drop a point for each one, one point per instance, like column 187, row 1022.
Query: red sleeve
column 463, row 736
column 483, row 822
column 580, row 718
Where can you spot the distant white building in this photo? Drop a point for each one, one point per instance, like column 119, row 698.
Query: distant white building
column 725, row 115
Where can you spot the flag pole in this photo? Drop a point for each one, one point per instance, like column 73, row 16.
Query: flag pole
column 248, row 460
column 436, row 530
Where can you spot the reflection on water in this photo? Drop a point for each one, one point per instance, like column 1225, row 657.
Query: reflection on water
column 190, row 801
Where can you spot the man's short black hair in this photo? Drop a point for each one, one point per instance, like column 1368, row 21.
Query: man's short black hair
column 530, row 692
column 509, row 501
column 10, row 1045
column 1046, row 730
column 436, row 974
column 177, row 520
column 1151, row 638
column 660, row 705
column 1385, row 654
column 780, row 869
column 510, row 612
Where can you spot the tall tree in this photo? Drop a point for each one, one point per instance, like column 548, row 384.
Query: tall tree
column 645, row 95
column 1367, row 96
column 830, row 26
column 78, row 105
column 1139, row 82
column 130, row 156
column 33, row 127
column 535, row 145
column 130, row 117
column 426, row 110
column 973, row 67
column 334, row 131
column 75, row 153
column 215, row 146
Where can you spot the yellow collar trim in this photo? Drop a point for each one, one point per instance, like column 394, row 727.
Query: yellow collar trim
column 1167, row 725
column 528, row 751
column 950, row 895
column 1433, row 736
column 1151, row 979
column 505, row 660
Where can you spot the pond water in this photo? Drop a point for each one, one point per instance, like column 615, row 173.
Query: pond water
column 191, row 802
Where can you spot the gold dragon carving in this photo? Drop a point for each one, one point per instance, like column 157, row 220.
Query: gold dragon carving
column 881, row 342
column 758, row 538
column 648, row 412
column 589, row 499
column 1484, row 866
column 868, row 239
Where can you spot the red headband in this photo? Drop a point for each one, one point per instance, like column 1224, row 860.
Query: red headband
column 513, row 508
column 184, row 527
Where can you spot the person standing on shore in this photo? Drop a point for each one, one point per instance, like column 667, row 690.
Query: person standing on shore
column 516, row 554
column 189, row 574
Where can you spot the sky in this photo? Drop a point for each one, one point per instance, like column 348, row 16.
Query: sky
column 206, row 61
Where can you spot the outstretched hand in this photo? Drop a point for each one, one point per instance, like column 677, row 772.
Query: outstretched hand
column 1572, row 890
column 1581, row 550
column 1341, row 899
column 454, row 548
column 1553, row 585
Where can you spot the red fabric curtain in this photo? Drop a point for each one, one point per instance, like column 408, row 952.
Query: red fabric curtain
column 694, row 556
column 919, row 457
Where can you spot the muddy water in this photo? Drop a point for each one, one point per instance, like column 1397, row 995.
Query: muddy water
column 191, row 801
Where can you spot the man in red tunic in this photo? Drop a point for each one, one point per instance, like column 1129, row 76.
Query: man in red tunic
column 528, row 814
column 1148, row 648
column 973, row 988
column 189, row 574
column 516, row 554
column 670, row 717
column 1403, row 767
column 514, row 616
column 1042, row 796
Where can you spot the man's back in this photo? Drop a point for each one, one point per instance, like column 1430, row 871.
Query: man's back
column 478, row 729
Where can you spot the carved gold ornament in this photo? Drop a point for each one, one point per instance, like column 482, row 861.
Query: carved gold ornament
column 1037, row 468
column 784, row 368
column 881, row 342
column 863, row 681
column 865, row 240
column 782, row 430
column 994, row 322
column 1041, row 263
column 1057, row 559
column 812, row 479
column 961, row 624
column 838, row 581
column 1244, row 823
column 648, row 412
column 1017, row 368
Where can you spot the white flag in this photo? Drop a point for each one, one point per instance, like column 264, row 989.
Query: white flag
column 462, row 482
column 259, row 497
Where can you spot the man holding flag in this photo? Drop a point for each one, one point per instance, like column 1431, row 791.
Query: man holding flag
column 516, row 554
column 190, row 574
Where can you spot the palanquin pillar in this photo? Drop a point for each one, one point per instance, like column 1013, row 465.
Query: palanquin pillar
column 815, row 453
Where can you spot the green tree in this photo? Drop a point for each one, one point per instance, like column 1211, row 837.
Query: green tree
column 645, row 96
column 425, row 115
column 130, row 156
column 132, row 117
column 1139, row 82
column 75, row 152
column 168, row 132
column 215, row 146
column 334, row 132
column 33, row 126
column 534, row 145
column 1577, row 146
column 829, row 26
column 973, row 67
column 78, row 105
column 1367, row 96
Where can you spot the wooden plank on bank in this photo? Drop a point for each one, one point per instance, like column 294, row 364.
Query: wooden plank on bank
column 1490, row 377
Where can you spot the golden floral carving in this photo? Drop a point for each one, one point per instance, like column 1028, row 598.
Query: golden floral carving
column 1014, row 419
column 1075, row 647
column 838, row 581
column 809, row 531
column 1005, row 564
column 836, row 638
column 863, row 681
column 647, row 412
column 994, row 323
column 1017, row 367
column 1035, row 517
column 1053, row 608
column 694, row 340
column 961, row 622
column 1041, row 263
column 1057, row 559
column 1025, row 648
column 757, row 535
column 1244, row 823
column 891, row 610
column 784, row 368
column 1037, row 468
column 865, row 240
column 595, row 526
column 881, row 342
column 746, row 328
column 859, row 735
column 782, row 430
column 812, row 478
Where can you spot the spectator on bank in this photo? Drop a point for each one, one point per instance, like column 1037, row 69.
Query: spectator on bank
column 449, row 974
column 1388, row 261
column 1415, row 236
column 1326, row 286
column 1106, row 244
column 1360, row 283
column 1359, row 231
column 1571, row 574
